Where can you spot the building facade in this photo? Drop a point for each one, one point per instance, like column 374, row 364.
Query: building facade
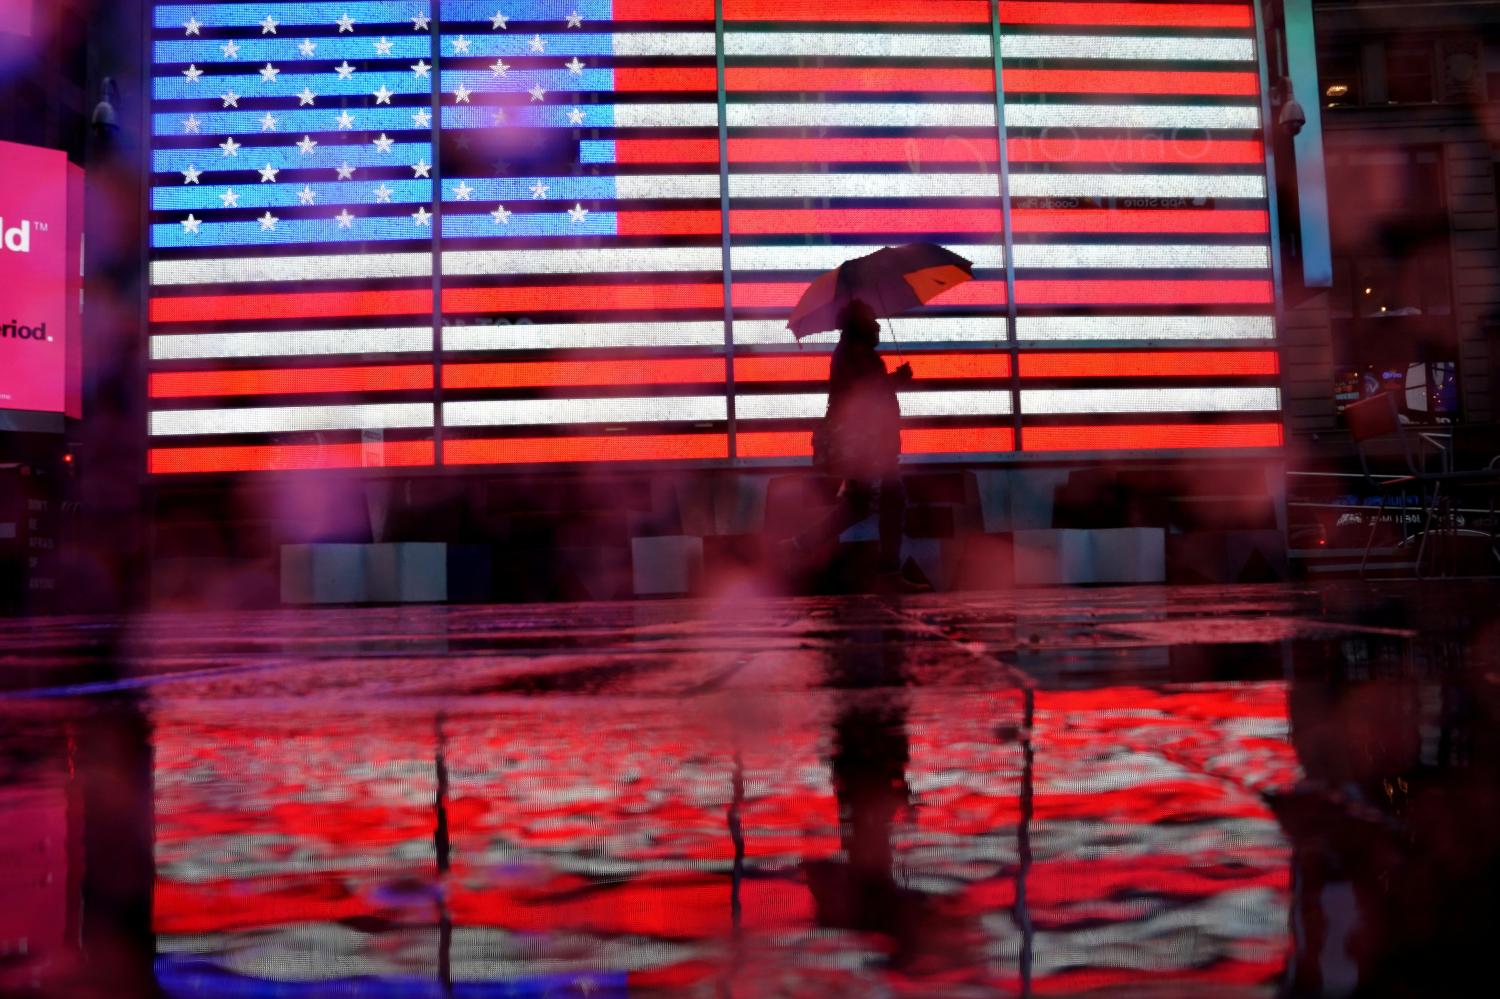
column 1410, row 98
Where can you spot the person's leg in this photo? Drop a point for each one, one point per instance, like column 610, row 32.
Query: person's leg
column 855, row 502
column 892, row 522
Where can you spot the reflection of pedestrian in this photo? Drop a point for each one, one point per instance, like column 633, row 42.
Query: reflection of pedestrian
column 869, row 752
column 861, row 439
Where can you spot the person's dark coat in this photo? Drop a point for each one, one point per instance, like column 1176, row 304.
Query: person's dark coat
column 864, row 413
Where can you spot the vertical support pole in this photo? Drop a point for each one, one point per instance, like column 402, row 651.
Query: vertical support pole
column 1268, row 139
column 1023, row 840
column 442, row 841
column 1007, row 231
column 436, row 29
column 724, row 234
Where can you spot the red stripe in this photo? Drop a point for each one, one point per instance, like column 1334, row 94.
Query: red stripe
column 577, row 298
column 864, row 220
column 1153, row 220
column 524, row 299
column 1124, row 81
column 928, row 11
column 290, row 381
column 539, row 374
column 668, row 223
column 1126, row 149
column 982, row 152
column 657, row 151
column 303, row 305
column 773, row 295
column 1150, row 364
column 1151, row 437
column 289, row 457
column 963, row 440
column 851, row 150
column 666, row 79
column 1138, row 292
column 894, row 79
column 1185, row 15
column 548, row 450
column 935, row 367
column 656, row 10
column 857, row 221
column 913, row 79
column 864, row 79
column 1150, row 15
column 757, row 369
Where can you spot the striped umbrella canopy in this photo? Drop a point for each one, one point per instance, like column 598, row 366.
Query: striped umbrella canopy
column 893, row 281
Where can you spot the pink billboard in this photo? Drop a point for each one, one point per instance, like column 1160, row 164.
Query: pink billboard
column 40, row 281
column 15, row 16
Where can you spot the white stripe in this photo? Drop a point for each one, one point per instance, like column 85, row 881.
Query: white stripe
column 974, row 46
column 914, row 115
column 1040, row 402
column 1130, row 116
column 1136, row 185
column 332, row 267
column 666, row 259
column 601, row 260
column 1158, row 48
column 1067, row 328
column 767, row 332
column 789, row 406
column 668, row 186
column 672, row 43
column 666, row 116
column 856, row 44
column 551, row 412
column 1145, row 257
column 916, row 329
column 811, row 405
column 955, row 404
column 584, row 336
column 290, row 419
column 864, row 185
column 822, row 258
column 663, row 259
column 192, row 346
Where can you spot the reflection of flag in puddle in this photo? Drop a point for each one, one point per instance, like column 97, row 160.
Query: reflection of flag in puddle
column 599, row 841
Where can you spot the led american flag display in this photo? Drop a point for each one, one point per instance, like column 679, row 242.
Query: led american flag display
column 405, row 233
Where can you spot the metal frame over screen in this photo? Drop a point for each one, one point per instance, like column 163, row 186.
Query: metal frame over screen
column 402, row 234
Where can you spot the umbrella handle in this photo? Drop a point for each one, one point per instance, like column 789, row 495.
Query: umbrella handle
column 892, row 320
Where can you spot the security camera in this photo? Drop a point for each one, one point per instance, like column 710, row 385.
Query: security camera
column 1292, row 117
column 104, row 120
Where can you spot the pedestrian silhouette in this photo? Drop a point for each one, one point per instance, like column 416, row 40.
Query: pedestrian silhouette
column 860, row 442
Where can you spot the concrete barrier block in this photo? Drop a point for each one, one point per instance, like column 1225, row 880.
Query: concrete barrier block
column 1038, row 558
column 364, row 574
column 665, row 566
column 323, row 574
column 1078, row 556
column 414, row 573
column 983, row 562
column 1115, row 555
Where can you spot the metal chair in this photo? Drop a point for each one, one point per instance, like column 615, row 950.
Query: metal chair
column 1378, row 419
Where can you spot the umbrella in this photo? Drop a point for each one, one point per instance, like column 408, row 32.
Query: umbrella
column 892, row 281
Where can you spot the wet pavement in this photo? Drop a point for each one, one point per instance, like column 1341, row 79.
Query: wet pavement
column 1263, row 791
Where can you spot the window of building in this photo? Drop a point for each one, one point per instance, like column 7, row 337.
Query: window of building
column 1339, row 76
column 1411, row 67
column 1392, row 299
